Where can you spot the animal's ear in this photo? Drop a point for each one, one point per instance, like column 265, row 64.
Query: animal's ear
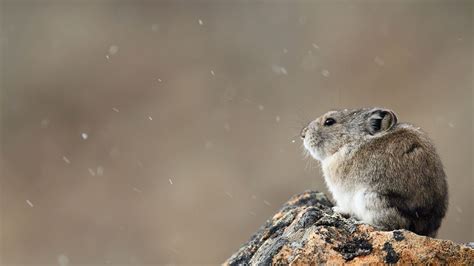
column 381, row 120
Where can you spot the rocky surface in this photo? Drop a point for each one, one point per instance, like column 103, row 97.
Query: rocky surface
column 307, row 231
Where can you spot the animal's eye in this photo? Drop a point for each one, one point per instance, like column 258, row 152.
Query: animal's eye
column 329, row 122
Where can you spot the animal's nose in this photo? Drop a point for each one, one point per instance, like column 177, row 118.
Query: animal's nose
column 303, row 132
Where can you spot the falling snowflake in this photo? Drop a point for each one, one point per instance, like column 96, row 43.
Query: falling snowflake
column 279, row 70
column 325, row 73
column 63, row 260
column 100, row 170
column 200, row 22
column 155, row 27
column 113, row 49
column 227, row 127
column 91, row 171
column 44, row 123
column 84, row 136
column 379, row 61
column 302, row 20
column 66, row 160
column 208, row 145
column 29, row 203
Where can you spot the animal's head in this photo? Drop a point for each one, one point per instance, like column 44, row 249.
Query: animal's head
column 330, row 132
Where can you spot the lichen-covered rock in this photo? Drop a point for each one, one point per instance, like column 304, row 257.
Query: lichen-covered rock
column 307, row 231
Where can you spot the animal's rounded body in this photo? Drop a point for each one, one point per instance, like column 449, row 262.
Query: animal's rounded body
column 382, row 172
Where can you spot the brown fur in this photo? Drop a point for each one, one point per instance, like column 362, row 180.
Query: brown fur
column 395, row 166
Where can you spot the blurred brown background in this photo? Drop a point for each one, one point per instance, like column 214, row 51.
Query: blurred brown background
column 155, row 132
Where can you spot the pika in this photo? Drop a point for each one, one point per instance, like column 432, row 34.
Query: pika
column 381, row 172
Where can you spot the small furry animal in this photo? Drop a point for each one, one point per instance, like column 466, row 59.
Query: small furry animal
column 382, row 172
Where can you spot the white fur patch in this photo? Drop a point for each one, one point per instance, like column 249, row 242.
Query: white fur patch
column 350, row 198
column 312, row 151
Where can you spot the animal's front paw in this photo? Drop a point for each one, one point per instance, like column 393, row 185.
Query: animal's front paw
column 337, row 209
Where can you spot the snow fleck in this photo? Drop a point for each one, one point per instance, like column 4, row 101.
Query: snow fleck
column 209, row 145
column 315, row 46
column 63, row 260
column 212, row 73
column 279, row 70
column 114, row 152
column 228, row 194
column 247, row 100
column 91, row 171
column 227, row 127
column 458, row 209
column 29, row 203
column 134, row 260
column 107, row 56
column 267, row 203
column 261, row 107
column 379, row 61
column 115, row 109
column 84, row 136
column 451, row 124
column 310, row 62
column 200, row 22
column 293, row 141
column 285, row 50
column 171, row 181
column 113, row 49
column 137, row 190
column 159, row 80
column 175, row 251
column 252, row 213
column 325, row 73
column 44, row 123
column 150, row 118
column 302, row 20
column 100, row 170
column 254, row 197
column 66, row 160
column 155, row 27
column 277, row 118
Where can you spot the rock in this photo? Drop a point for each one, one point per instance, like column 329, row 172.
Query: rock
column 306, row 230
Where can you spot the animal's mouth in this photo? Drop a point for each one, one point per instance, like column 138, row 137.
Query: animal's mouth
column 310, row 143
